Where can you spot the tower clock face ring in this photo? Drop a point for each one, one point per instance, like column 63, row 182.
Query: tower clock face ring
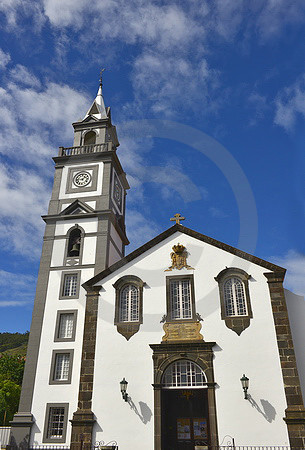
column 82, row 179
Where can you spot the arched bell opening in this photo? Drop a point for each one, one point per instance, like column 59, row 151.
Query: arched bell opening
column 89, row 138
column 74, row 243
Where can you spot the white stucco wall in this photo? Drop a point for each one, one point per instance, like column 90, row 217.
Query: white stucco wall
column 254, row 352
column 53, row 393
column 114, row 256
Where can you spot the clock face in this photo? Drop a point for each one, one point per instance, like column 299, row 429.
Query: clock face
column 82, row 179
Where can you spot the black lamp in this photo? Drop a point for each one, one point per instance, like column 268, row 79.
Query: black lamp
column 245, row 385
column 123, row 385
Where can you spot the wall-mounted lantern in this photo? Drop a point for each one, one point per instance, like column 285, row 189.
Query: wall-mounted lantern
column 123, row 385
column 245, row 385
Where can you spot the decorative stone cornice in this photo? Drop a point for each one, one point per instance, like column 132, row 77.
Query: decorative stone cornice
column 275, row 277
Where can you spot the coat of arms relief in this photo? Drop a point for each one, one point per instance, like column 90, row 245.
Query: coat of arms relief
column 178, row 257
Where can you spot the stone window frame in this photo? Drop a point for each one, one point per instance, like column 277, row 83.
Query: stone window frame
column 237, row 323
column 56, row 352
column 128, row 329
column 70, row 260
column 62, row 283
column 72, row 171
column 57, row 325
column 46, row 438
column 189, row 277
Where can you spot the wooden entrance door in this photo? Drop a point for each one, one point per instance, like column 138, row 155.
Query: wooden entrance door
column 184, row 419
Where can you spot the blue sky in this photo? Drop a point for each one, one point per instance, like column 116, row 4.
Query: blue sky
column 220, row 86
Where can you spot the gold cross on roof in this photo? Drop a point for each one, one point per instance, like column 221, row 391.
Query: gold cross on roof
column 177, row 217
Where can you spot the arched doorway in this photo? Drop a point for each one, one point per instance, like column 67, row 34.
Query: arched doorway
column 183, row 372
column 184, row 404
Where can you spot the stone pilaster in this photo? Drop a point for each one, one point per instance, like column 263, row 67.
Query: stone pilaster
column 295, row 412
column 83, row 419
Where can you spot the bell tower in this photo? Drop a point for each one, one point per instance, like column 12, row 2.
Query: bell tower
column 90, row 184
column 84, row 234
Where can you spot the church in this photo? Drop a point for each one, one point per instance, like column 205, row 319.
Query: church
column 183, row 344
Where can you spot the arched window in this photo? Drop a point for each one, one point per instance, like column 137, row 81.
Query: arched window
column 74, row 243
column 183, row 373
column 129, row 303
column 90, row 138
column 234, row 296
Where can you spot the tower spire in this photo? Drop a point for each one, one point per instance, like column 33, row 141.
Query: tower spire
column 97, row 109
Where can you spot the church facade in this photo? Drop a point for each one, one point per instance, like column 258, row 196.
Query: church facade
column 149, row 350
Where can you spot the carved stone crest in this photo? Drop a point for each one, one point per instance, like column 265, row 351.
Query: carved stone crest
column 178, row 257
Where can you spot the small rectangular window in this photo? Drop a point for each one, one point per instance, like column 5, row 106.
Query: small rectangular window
column 61, row 367
column 55, row 422
column 65, row 325
column 70, row 285
column 62, row 362
column 70, row 282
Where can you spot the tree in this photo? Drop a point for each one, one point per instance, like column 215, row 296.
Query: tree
column 11, row 367
column 9, row 399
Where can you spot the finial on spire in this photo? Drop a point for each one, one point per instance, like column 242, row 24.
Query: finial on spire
column 101, row 77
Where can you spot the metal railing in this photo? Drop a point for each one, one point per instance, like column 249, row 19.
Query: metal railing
column 113, row 445
column 85, row 149
column 4, row 436
column 248, row 447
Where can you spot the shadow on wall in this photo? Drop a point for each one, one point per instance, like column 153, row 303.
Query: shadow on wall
column 296, row 312
column 144, row 414
column 268, row 411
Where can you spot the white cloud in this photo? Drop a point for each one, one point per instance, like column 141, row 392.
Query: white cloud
column 34, row 121
column 159, row 83
column 140, row 229
column 20, row 74
column 260, row 105
column 4, row 59
column 19, row 287
column 21, row 227
column 290, row 103
column 217, row 213
column 276, row 14
column 16, row 9
column 12, row 303
column 294, row 262
column 132, row 22
column 265, row 18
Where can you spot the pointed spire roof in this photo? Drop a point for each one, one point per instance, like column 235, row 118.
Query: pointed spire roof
column 97, row 109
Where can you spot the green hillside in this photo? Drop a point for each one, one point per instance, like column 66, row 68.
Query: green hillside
column 14, row 343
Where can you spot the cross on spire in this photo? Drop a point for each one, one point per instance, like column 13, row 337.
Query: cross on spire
column 177, row 217
column 101, row 77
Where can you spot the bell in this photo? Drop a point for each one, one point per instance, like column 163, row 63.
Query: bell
column 75, row 249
